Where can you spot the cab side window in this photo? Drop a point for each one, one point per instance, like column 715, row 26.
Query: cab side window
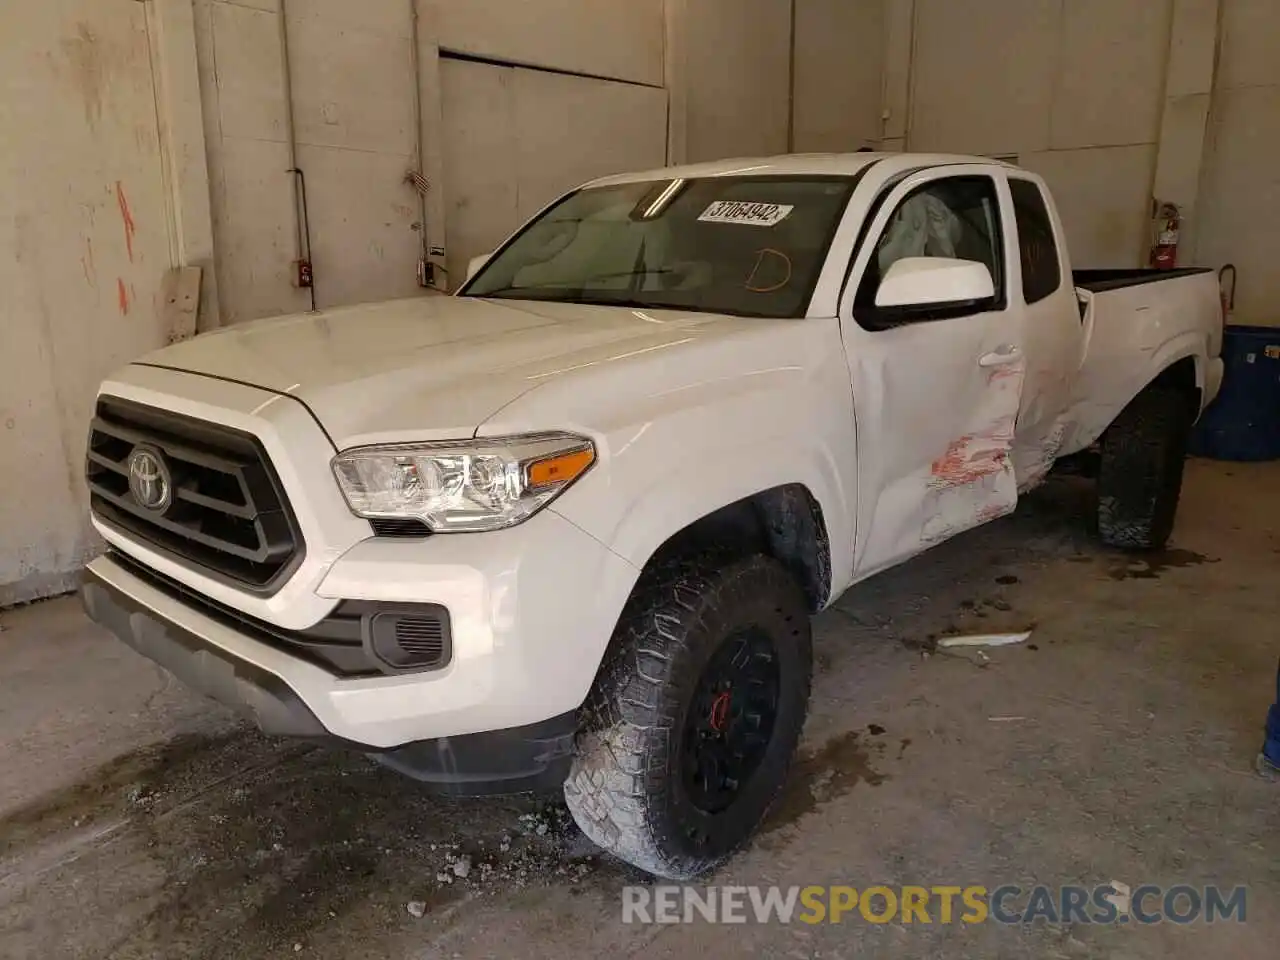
column 957, row 217
column 1037, row 247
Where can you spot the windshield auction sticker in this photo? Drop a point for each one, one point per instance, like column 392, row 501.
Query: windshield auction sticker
column 752, row 214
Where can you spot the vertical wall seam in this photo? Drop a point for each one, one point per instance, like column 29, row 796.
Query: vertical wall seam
column 1163, row 107
column 1209, row 143
column 1055, row 78
column 791, row 80
column 909, row 108
column 164, row 135
column 215, row 150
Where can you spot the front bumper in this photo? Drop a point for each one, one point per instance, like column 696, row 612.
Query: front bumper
column 235, row 682
column 532, row 609
column 530, row 758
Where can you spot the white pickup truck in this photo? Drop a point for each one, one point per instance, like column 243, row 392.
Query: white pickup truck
column 566, row 528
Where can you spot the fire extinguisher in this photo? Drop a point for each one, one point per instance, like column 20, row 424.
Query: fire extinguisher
column 1166, row 226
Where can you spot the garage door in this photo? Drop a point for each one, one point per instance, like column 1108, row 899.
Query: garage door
column 517, row 138
column 84, row 245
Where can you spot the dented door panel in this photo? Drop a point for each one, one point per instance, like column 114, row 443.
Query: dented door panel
column 937, row 398
column 974, row 481
column 935, row 433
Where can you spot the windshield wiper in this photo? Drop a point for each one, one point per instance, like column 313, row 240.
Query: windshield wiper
column 576, row 285
column 632, row 302
column 657, row 271
column 523, row 289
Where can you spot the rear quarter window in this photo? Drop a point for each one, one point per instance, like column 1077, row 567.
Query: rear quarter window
column 1037, row 246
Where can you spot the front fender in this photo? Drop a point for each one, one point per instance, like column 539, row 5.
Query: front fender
column 704, row 424
column 658, row 502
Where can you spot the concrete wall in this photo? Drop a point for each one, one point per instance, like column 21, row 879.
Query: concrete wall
column 1240, row 191
column 515, row 139
column 1114, row 102
column 722, row 67
column 735, row 76
column 1073, row 88
column 352, row 78
column 351, row 69
column 87, row 237
column 839, row 67
column 619, row 39
column 85, row 242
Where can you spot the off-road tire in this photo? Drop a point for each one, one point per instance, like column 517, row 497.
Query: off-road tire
column 1140, row 471
column 626, row 791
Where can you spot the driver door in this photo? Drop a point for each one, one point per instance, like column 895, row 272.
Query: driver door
column 937, row 386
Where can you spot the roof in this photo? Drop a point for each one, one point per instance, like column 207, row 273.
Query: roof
column 793, row 164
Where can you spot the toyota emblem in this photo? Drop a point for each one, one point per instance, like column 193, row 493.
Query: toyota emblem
column 149, row 479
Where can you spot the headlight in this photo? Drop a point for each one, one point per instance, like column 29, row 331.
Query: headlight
column 465, row 485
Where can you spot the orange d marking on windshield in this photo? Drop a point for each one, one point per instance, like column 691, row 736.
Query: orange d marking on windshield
column 749, row 283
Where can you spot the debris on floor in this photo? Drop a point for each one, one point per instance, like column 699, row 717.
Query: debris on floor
column 986, row 640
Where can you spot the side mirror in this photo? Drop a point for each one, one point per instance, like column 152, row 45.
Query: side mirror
column 934, row 281
column 475, row 263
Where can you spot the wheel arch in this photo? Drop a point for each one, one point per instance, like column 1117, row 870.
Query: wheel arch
column 1179, row 366
column 785, row 522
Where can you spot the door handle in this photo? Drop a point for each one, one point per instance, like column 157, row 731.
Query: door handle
column 1005, row 353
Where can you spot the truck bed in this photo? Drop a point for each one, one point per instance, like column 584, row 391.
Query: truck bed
column 1097, row 281
column 1128, row 315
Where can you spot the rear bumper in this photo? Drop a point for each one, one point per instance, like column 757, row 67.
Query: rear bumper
column 532, row 757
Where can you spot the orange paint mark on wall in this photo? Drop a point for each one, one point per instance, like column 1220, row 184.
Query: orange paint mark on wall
column 123, row 295
column 126, row 217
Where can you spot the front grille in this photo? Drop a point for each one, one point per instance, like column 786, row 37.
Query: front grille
column 228, row 516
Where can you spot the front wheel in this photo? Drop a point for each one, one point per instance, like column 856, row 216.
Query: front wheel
column 693, row 721
column 1140, row 471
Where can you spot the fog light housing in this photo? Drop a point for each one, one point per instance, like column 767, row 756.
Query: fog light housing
column 420, row 639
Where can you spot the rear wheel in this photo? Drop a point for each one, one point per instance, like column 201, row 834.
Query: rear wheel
column 1140, row 472
column 693, row 722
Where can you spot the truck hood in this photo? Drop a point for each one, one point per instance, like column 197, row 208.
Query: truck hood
column 433, row 367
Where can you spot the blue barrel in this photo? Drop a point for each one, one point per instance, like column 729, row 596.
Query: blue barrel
column 1244, row 422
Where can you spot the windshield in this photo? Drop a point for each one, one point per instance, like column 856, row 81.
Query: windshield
column 751, row 246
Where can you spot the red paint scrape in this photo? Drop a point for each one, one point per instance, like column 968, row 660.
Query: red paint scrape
column 1003, row 373
column 969, row 459
column 124, row 297
column 992, row 511
column 126, row 217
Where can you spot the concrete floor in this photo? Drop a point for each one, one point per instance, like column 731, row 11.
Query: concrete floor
column 137, row 821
